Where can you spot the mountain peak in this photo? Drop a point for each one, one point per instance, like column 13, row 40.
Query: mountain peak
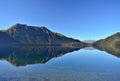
column 25, row 25
column 18, row 25
column 25, row 34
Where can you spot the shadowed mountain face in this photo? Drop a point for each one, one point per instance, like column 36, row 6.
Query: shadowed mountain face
column 24, row 34
column 5, row 39
column 111, row 44
column 21, row 56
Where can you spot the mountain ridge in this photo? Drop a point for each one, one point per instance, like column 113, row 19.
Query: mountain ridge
column 110, row 44
column 24, row 34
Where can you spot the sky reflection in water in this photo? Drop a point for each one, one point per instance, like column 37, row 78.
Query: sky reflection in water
column 81, row 65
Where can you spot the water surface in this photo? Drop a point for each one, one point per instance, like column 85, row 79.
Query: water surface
column 58, row 64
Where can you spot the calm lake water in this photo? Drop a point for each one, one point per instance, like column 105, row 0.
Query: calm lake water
column 58, row 64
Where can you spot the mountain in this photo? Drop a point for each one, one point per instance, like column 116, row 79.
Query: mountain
column 5, row 39
column 89, row 41
column 113, row 41
column 110, row 44
column 24, row 34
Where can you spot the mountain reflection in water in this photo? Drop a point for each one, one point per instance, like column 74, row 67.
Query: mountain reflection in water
column 113, row 49
column 21, row 56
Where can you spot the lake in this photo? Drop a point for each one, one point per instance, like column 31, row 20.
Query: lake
column 58, row 64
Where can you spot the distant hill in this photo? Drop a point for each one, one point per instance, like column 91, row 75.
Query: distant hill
column 112, row 40
column 23, row 34
column 110, row 44
column 89, row 41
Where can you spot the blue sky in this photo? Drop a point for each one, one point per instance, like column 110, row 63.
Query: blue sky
column 79, row 19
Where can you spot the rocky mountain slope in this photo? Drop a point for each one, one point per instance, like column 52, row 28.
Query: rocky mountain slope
column 23, row 34
column 5, row 39
column 113, row 40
